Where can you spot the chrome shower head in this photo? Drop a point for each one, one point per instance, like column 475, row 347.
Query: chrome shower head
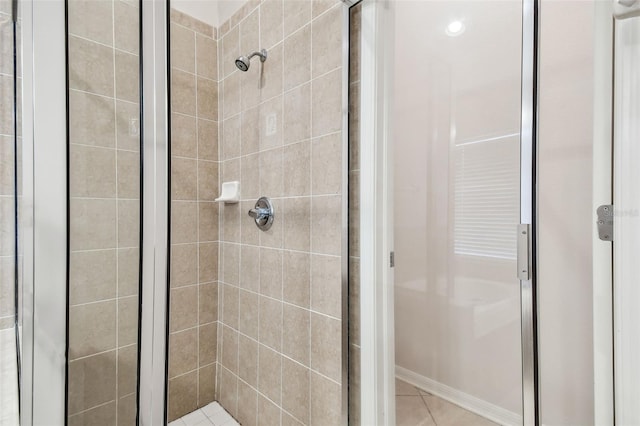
column 243, row 62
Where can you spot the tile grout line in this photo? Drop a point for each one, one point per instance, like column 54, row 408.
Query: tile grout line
column 110, row 299
column 195, row 67
column 311, row 222
column 424, row 401
column 281, row 130
column 224, row 143
column 260, row 313
column 117, row 303
column 218, row 125
column 106, row 148
column 102, row 96
column 224, row 146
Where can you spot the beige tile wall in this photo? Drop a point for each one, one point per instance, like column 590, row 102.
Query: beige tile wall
column 7, row 194
column 194, row 216
column 354, row 214
column 104, row 175
column 280, row 292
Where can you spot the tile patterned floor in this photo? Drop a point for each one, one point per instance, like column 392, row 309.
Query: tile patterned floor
column 415, row 407
column 9, row 381
column 211, row 415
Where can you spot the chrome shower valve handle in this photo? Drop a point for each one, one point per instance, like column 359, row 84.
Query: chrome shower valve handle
column 263, row 213
column 259, row 214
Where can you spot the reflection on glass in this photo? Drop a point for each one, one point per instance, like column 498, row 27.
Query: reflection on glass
column 104, row 211
column 457, row 180
column 10, row 194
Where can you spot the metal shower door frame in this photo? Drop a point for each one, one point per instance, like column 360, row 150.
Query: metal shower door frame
column 528, row 208
column 152, row 391
column 44, row 212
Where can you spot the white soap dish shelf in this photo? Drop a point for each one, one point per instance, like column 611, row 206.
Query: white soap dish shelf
column 230, row 193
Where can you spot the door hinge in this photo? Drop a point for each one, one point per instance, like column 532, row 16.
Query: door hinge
column 605, row 222
column 392, row 259
column 523, row 252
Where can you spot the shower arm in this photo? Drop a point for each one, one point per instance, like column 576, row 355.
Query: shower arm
column 262, row 54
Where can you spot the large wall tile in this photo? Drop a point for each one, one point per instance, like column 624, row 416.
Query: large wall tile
column 127, row 83
column 92, row 328
column 183, row 48
column 296, row 333
column 295, row 389
column 92, row 276
column 85, row 214
column 92, row 172
column 248, row 360
column 325, row 401
column 297, row 114
column 296, row 14
column 183, row 395
column 91, row 119
column 183, row 351
column 297, row 56
column 195, row 222
column 325, row 346
column 92, row 381
column 206, row 57
column 327, row 39
column 287, row 146
column 92, row 20
column 91, row 67
column 269, row 373
column 271, row 22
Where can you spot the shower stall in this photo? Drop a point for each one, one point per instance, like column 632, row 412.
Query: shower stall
column 148, row 292
column 317, row 212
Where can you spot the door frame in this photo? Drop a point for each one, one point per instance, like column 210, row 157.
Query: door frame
column 376, row 213
column 602, row 194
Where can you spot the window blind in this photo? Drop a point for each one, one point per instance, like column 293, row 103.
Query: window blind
column 487, row 196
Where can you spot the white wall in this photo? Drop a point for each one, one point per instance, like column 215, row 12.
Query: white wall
column 565, row 212
column 203, row 10
column 226, row 8
column 213, row 12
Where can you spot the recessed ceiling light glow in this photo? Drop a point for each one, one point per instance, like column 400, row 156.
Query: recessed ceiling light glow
column 455, row 28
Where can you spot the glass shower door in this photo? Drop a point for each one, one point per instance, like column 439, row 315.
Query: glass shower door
column 457, row 142
column 10, row 196
column 104, row 167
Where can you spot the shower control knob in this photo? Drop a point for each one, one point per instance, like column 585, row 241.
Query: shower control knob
column 263, row 213
column 259, row 214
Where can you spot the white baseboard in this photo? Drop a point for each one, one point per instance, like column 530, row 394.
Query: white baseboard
column 464, row 400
